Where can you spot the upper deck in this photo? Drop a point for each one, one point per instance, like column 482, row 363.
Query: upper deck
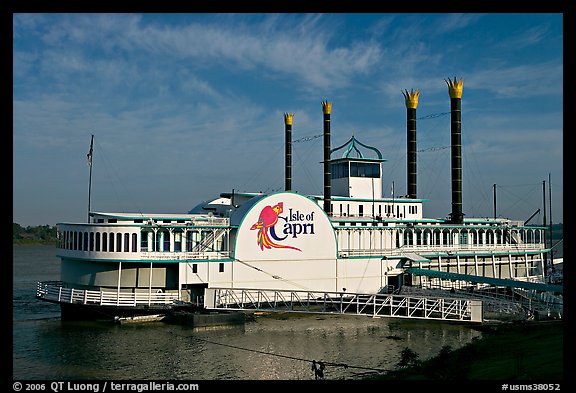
column 137, row 237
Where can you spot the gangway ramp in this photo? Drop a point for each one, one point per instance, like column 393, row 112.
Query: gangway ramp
column 374, row 305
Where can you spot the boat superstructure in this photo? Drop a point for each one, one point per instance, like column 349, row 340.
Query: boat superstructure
column 351, row 239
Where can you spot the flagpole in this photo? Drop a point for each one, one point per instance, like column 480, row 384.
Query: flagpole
column 90, row 181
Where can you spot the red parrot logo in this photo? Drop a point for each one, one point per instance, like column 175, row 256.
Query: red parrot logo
column 268, row 218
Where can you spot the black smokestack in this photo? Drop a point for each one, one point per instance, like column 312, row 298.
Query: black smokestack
column 411, row 105
column 455, row 91
column 327, row 109
column 288, row 152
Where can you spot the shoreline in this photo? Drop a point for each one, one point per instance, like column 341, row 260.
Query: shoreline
column 531, row 351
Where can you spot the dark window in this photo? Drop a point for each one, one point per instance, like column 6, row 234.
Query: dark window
column 144, row 241
column 91, row 241
column 126, row 242
column 104, row 242
column 118, row 242
column 97, row 241
column 339, row 170
column 364, row 169
column 221, row 267
column 85, row 241
column 194, row 268
column 111, row 247
column 134, row 242
column 166, row 238
column 156, row 241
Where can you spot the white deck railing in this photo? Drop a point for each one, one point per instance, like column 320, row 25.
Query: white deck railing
column 54, row 291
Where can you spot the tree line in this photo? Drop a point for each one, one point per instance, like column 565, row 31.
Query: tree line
column 43, row 234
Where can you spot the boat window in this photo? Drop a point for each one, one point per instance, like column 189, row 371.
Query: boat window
column 166, row 241
column 339, row 170
column 126, row 242
column 144, row 241
column 118, row 242
column 221, row 267
column 134, row 242
column 104, row 242
column 85, row 241
column 111, row 247
column 364, row 169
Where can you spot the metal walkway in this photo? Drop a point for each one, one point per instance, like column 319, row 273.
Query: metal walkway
column 375, row 305
column 542, row 287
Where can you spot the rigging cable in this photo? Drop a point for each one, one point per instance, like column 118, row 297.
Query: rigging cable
column 346, row 366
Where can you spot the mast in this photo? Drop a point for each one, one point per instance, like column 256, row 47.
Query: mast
column 550, row 216
column 89, row 155
column 550, row 206
column 546, row 263
column 494, row 191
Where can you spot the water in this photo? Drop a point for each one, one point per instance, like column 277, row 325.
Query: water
column 270, row 348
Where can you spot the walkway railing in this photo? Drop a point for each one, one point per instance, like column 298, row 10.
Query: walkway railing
column 437, row 249
column 54, row 291
column 375, row 305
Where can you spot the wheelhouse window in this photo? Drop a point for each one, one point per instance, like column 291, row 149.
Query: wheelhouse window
column 364, row 169
column 339, row 170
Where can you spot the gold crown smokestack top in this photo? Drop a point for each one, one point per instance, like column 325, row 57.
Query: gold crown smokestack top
column 327, row 109
column 288, row 151
column 455, row 92
column 411, row 98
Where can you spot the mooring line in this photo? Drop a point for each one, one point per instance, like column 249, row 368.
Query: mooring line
column 292, row 357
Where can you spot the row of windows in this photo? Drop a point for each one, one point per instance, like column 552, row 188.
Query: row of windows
column 388, row 210
column 96, row 241
column 354, row 169
column 126, row 242
column 220, row 268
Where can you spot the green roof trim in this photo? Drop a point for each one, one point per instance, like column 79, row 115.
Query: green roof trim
column 352, row 142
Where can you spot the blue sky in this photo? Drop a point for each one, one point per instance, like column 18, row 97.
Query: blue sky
column 186, row 106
